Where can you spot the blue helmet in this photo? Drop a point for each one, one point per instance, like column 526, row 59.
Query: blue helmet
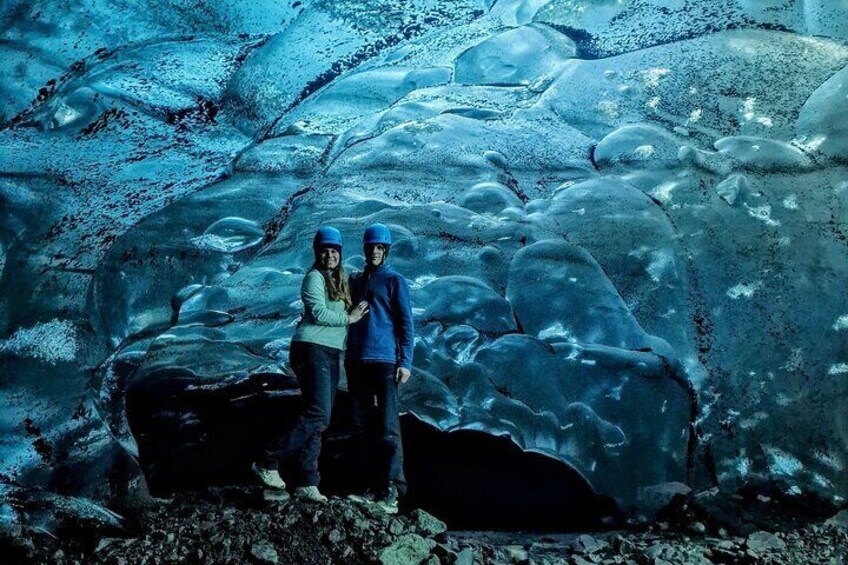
column 327, row 236
column 377, row 233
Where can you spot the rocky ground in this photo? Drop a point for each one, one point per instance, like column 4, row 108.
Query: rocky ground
column 238, row 525
column 656, row 546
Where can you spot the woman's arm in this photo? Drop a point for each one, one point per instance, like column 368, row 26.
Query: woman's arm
column 313, row 293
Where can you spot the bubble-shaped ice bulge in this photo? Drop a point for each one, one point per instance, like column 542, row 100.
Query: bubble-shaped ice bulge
column 623, row 224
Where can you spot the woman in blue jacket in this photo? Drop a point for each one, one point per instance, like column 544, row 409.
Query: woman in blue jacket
column 379, row 357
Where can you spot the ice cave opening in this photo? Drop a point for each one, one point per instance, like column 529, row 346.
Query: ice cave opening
column 194, row 438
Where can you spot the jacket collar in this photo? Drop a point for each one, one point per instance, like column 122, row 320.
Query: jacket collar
column 381, row 268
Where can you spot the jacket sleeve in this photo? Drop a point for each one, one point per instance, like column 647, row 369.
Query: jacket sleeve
column 314, row 296
column 404, row 326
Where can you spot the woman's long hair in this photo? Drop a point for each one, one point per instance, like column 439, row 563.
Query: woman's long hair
column 335, row 280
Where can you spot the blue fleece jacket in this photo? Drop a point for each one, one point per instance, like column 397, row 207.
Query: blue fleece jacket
column 386, row 334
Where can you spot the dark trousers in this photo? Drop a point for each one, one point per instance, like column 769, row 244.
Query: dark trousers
column 377, row 424
column 317, row 369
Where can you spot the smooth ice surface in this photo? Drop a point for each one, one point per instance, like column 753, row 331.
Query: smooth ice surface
column 464, row 300
column 638, row 145
column 821, row 121
column 556, row 285
column 623, row 223
column 521, row 56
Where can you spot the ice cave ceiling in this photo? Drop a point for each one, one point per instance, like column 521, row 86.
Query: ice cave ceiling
column 625, row 223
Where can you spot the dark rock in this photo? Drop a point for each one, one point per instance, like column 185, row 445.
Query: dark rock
column 728, row 545
column 756, row 507
column 104, row 544
column 839, row 521
column 264, row 552
column 659, row 550
column 275, row 495
column 335, row 536
column 359, row 525
column 445, row 553
column 587, row 544
column 316, row 515
column 761, row 542
column 698, row 527
column 408, row 549
column 396, row 527
column 516, row 554
column 427, row 524
column 465, row 557
column 654, row 498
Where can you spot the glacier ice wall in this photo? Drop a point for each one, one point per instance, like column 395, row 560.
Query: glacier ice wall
column 625, row 223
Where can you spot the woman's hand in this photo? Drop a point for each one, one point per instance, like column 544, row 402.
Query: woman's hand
column 358, row 311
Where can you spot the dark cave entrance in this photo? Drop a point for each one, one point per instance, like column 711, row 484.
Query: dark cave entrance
column 192, row 437
column 478, row 481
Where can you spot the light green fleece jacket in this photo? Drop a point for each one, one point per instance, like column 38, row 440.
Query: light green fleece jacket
column 324, row 321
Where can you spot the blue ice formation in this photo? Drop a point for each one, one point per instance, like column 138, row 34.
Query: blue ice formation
column 611, row 214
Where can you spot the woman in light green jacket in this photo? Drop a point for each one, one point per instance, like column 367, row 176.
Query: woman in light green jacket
column 317, row 358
